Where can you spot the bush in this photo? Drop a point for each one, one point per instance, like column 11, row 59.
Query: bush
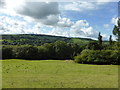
column 98, row 57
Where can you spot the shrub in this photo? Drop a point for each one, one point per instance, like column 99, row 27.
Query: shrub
column 98, row 57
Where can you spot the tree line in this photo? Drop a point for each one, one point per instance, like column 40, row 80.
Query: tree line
column 92, row 53
column 57, row 50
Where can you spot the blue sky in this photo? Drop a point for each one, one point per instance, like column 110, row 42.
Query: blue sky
column 70, row 19
column 96, row 18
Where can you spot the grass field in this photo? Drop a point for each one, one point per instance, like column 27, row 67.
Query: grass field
column 57, row 74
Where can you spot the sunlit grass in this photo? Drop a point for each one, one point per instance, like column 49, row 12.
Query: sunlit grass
column 57, row 74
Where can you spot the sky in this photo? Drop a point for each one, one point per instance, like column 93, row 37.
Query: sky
column 66, row 18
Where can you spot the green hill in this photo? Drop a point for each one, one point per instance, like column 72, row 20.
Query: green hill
column 39, row 39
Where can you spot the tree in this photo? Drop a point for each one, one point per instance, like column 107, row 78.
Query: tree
column 116, row 30
column 100, row 39
column 62, row 50
column 49, row 50
column 7, row 52
column 93, row 46
column 42, row 53
column 110, row 40
column 25, row 52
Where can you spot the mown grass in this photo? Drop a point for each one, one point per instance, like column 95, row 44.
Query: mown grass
column 57, row 74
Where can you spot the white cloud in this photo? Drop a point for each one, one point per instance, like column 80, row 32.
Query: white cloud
column 114, row 20
column 106, row 0
column 64, row 22
column 39, row 10
column 106, row 26
column 82, row 29
column 10, row 6
column 82, row 6
column 14, row 5
column 80, row 23
column 65, row 27
column 44, row 12
column 49, row 20
column 57, row 31
column 12, row 26
column 2, row 4
column 105, row 37
column 79, row 6
column 71, row 0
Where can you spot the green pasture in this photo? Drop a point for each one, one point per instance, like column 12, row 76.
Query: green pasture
column 57, row 74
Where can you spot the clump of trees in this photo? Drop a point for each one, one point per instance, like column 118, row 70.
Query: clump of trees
column 58, row 50
column 98, row 57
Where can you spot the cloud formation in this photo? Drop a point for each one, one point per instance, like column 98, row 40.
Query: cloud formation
column 79, row 6
column 11, row 26
column 44, row 12
column 82, row 6
column 39, row 10
column 64, row 22
column 82, row 28
column 46, row 15
column 65, row 27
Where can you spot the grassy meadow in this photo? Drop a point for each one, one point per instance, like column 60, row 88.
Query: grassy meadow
column 57, row 74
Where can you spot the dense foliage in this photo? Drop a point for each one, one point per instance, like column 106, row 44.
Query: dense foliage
column 38, row 39
column 57, row 50
column 100, row 54
column 98, row 57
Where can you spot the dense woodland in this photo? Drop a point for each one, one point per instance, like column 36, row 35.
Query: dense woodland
column 81, row 50
column 38, row 39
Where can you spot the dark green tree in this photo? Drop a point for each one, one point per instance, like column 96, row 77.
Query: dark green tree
column 7, row 52
column 49, row 50
column 99, row 39
column 25, row 52
column 110, row 40
column 116, row 30
column 62, row 50
column 93, row 46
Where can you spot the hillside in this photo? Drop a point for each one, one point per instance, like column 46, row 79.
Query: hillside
column 39, row 39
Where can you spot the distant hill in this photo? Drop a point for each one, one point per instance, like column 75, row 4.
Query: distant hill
column 39, row 39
